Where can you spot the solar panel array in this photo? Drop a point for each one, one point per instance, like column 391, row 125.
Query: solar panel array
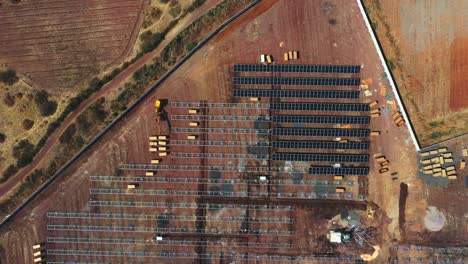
column 297, row 68
column 339, row 107
column 339, row 94
column 339, row 171
column 321, row 119
column 311, row 144
column 321, row 157
column 314, row 81
column 321, row 132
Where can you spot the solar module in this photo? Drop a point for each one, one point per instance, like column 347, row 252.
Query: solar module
column 314, row 81
column 312, row 144
column 321, row 157
column 339, row 94
column 346, row 107
column 321, row 119
column 339, row 171
column 297, row 68
column 321, row 132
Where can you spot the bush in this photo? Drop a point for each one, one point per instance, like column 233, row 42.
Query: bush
column 150, row 41
column 28, row 124
column 196, row 4
column 175, row 11
column 46, row 107
column 8, row 77
column 24, row 153
column 79, row 142
column 34, row 177
column 9, row 100
column 10, row 171
column 98, row 110
column 2, row 137
column 68, row 134
column 190, row 46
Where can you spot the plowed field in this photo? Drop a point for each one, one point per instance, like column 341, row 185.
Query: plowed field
column 426, row 45
column 58, row 43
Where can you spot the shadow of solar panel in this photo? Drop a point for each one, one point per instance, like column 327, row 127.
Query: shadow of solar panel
column 338, row 94
column 312, row 81
column 299, row 68
column 321, row 157
column 321, row 132
column 338, row 107
column 312, row 144
column 321, row 119
column 329, row 170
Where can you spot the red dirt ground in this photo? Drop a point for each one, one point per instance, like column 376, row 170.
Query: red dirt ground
column 55, row 44
column 304, row 26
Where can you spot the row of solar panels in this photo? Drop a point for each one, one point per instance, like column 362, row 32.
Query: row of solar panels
column 322, row 81
column 321, row 132
column 321, row 157
column 348, row 107
column 321, row 119
column 329, row 170
column 340, row 94
column 312, row 144
column 297, row 68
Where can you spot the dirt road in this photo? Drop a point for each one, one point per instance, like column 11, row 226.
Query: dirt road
column 111, row 86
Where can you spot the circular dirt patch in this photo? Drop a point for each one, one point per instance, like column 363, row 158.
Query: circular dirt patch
column 434, row 219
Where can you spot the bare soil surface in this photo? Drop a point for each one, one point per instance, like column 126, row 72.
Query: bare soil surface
column 425, row 44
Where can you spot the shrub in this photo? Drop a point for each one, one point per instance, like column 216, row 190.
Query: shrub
column 23, row 152
column 9, row 100
column 79, row 142
column 196, row 4
column 150, row 40
column 28, row 124
column 8, row 77
column 46, row 107
column 2, row 137
column 10, row 171
column 98, row 110
column 190, row 46
column 175, row 11
column 68, row 134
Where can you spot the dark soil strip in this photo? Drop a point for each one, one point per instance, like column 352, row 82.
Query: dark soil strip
column 402, row 205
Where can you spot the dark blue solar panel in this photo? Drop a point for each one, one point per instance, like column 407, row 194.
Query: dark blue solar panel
column 337, row 107
column 313, row 144
column 321, row 132
column 321, row 119
column 297, row 68
column 329, row 170
column 314, row 81
column 321, row 157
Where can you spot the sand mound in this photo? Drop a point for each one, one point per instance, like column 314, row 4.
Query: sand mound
column 434, row 219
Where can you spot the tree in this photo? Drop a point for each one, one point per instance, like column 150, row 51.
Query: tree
column 23, row 152
column 46, row 107
column 28, row 124
column 68, row 134
column 8, row 77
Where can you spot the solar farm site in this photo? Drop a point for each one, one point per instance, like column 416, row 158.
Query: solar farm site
column 235, row 160
column 231, row 177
